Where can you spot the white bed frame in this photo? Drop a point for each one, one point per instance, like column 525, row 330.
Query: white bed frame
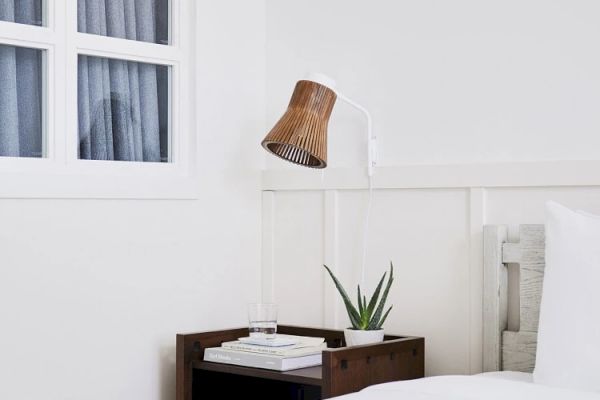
column 504, row 349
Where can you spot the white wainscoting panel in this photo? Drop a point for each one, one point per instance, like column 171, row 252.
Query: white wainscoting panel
column 432, row 234
column 424, row 233
column 298, row 257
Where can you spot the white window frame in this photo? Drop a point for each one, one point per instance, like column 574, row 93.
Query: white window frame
column 61, row 174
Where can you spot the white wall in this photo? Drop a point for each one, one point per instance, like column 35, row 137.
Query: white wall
column 481, row 85
column 92, row 292
column 447, row 81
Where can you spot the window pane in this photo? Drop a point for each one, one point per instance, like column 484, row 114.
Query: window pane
column 142, row 20
column 21, row 11
column 123, row 110
column 20, row 102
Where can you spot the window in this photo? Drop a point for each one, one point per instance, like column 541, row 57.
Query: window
column 146, row 21
column 123, row 106
column 91, row 88
column 122, row 110
column 21, row 11
column 21, row 92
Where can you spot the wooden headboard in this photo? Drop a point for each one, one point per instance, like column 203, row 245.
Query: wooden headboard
column 505, row 350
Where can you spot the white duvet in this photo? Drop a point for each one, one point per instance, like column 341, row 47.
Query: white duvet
column 476, row 387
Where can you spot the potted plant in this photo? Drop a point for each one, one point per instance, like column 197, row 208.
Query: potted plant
column 367, row 318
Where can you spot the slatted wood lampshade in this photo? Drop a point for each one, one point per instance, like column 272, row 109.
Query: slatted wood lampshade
column 300, row 136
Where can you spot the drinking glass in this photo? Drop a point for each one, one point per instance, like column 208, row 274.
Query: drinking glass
column 262, row 319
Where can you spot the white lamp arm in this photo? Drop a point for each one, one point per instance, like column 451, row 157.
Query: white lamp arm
column 371, row 140
column 371, row 160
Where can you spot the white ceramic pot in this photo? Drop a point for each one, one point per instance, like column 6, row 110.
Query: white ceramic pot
column 355, row 337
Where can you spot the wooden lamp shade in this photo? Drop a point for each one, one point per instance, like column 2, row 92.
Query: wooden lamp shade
column 300, row 136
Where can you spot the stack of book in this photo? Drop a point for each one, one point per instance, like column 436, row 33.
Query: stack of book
column 282, row 353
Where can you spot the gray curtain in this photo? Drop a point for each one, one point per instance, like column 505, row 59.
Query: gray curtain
column 120, row 107
column 20, row 86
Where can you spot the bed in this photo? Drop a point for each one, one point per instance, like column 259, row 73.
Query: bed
column 508, row 356
column 476, row 387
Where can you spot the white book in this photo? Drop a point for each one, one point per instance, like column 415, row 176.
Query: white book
column 285, row 351
column 257, row 360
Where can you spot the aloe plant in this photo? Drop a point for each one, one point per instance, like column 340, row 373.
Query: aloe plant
column 367, row 316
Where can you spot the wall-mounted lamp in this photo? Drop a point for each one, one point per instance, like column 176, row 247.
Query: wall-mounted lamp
column 300, row 135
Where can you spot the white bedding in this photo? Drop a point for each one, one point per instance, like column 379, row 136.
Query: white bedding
column 509, row 375
column 477, row 387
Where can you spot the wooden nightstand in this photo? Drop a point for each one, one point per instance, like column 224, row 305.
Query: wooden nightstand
column 344, row 369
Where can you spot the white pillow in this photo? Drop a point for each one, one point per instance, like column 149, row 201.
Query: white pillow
column 568, row 352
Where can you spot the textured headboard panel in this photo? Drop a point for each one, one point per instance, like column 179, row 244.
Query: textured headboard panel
column 505, row 350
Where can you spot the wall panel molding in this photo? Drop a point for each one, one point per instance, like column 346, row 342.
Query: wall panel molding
column 514, row 174
column 331, row 318
column 477, row 213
